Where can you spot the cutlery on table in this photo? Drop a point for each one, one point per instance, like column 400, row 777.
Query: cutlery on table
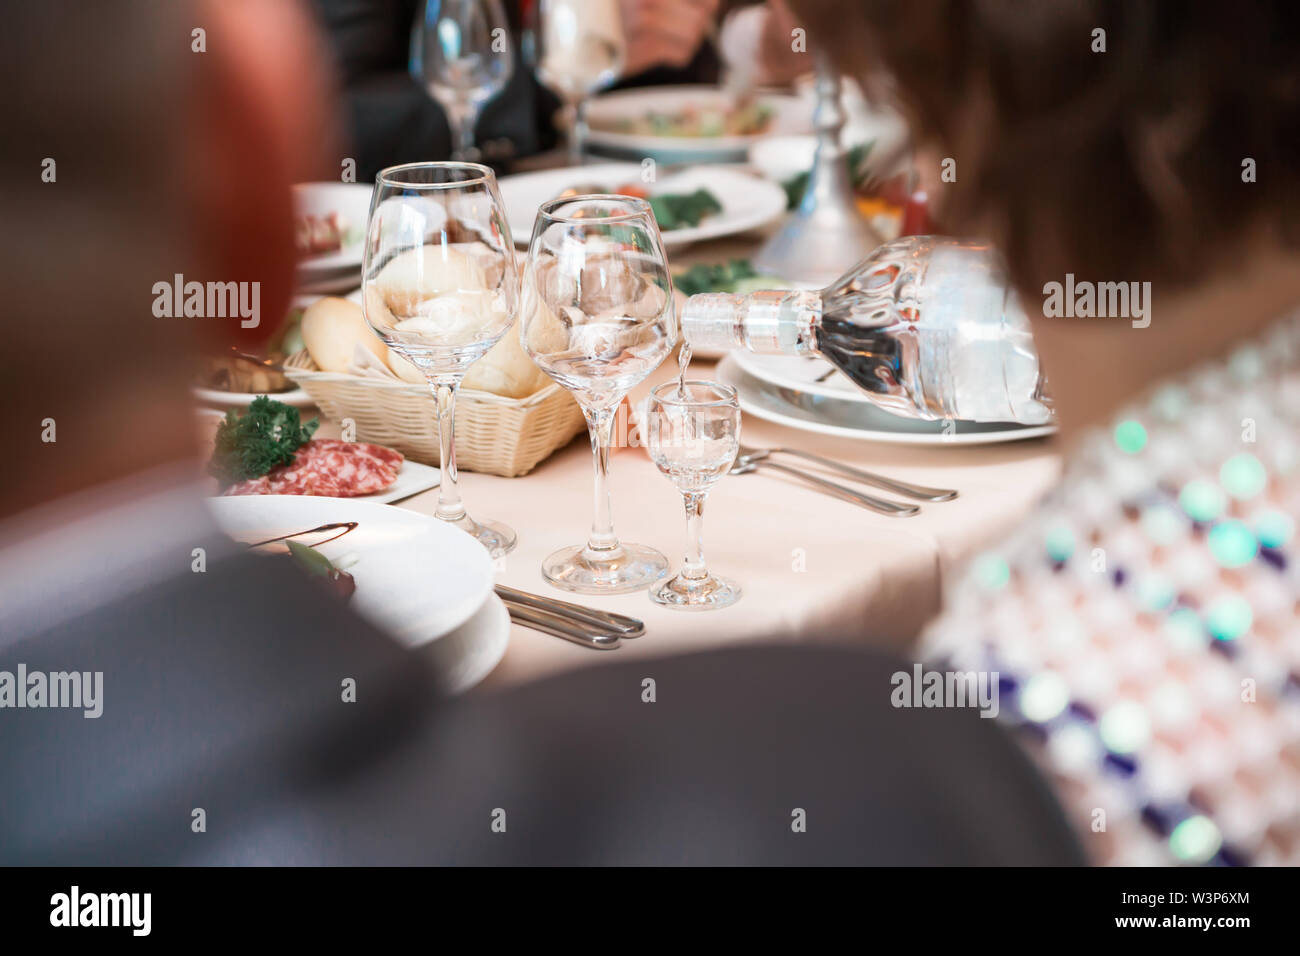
column 619, row 623
column 602, row 630
column 558, row 626
column 879, row 505
column 904, row 488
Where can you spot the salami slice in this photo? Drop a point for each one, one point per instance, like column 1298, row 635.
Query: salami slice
column 329, row 468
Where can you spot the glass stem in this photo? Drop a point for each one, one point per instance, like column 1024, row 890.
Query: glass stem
column 693, row 566
column 600, row 423
column 461, row 119
column 450, row 508
column 578, row 134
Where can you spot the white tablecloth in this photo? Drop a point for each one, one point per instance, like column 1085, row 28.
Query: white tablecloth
column 812, row 567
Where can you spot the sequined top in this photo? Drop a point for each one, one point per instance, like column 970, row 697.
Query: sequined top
column 1145, row 622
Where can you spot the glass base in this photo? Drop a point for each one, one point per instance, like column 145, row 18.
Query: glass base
column 700, row 594
column 498, row 538
column 630, row 567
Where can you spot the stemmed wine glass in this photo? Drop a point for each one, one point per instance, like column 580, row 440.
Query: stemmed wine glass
column 460, row 53
column 597, row 316
column 693, row 435
column 440, row 286
column 577, row 47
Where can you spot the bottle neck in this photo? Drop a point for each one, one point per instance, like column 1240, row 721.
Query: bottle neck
column 777, row 321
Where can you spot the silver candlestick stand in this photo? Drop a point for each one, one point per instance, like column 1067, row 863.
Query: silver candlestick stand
column 827, row 234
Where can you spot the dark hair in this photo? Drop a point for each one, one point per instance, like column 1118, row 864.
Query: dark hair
column 1123, row 164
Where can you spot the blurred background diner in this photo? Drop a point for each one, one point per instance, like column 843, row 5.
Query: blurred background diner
column 385, row 99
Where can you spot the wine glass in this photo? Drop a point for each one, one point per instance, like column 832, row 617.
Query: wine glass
column 460, row 52
column 693, row 435
column 577, row 47
column 597, row 316
column 439, row 284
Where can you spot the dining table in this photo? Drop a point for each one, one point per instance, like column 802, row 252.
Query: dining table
column 811, row 567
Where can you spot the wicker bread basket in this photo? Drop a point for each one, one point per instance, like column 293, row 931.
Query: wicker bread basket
column 500, row 436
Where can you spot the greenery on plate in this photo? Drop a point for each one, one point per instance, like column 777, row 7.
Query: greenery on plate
column 265, row 436
column 738, row 275
column 796, row 185
column 680, row 210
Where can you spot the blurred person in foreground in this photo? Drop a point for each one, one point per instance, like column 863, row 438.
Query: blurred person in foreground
column 1145, row 622
column 219, row 732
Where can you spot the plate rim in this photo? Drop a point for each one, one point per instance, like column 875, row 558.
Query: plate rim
column 672, row 238
column 496, row 616
column 330, row 262
column 751, row 364
column 378, row 498
column 459, row 618
column 677, row 144
column 215, row 396
column 1020, row 433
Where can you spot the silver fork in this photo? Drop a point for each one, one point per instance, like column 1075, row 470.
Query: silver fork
column 904, row 488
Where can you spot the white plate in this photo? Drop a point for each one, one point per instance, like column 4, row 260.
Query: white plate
column 780, row 158
column 297, row 397
column 412, row 478
column 468, row 654
column 309, row 283
column 865, row 422
column 801, row 373
column 747, row 201
column 418, row 578
column 790, row 115
column 352, row 203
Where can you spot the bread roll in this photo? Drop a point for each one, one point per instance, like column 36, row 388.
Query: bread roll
column 331, row 330
column 418, row 274
column 505, row 370
column 547, row 333
column 447, row 295
column 403, row 368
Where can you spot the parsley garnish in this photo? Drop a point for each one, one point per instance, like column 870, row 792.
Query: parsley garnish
column 267, row 435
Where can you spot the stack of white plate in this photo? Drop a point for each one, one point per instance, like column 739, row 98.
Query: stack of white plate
column 426, row 583
column 334, row 271
column 606, row 114
column 811, row 395
column 747, row 202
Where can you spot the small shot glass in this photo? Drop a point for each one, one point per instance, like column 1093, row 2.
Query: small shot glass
column 693, row 435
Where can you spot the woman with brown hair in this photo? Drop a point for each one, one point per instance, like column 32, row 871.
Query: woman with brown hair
column 1144, row 623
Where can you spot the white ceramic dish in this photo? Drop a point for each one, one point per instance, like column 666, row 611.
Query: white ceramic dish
column 811, row 375
column 463, row 657
column 327, row 283
column 418, row 578
column 352, row 203
column 297, row 397
column 790, row 115
column 864, row 422
column 747, row 201
column 412, row 479
column 781, row 157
